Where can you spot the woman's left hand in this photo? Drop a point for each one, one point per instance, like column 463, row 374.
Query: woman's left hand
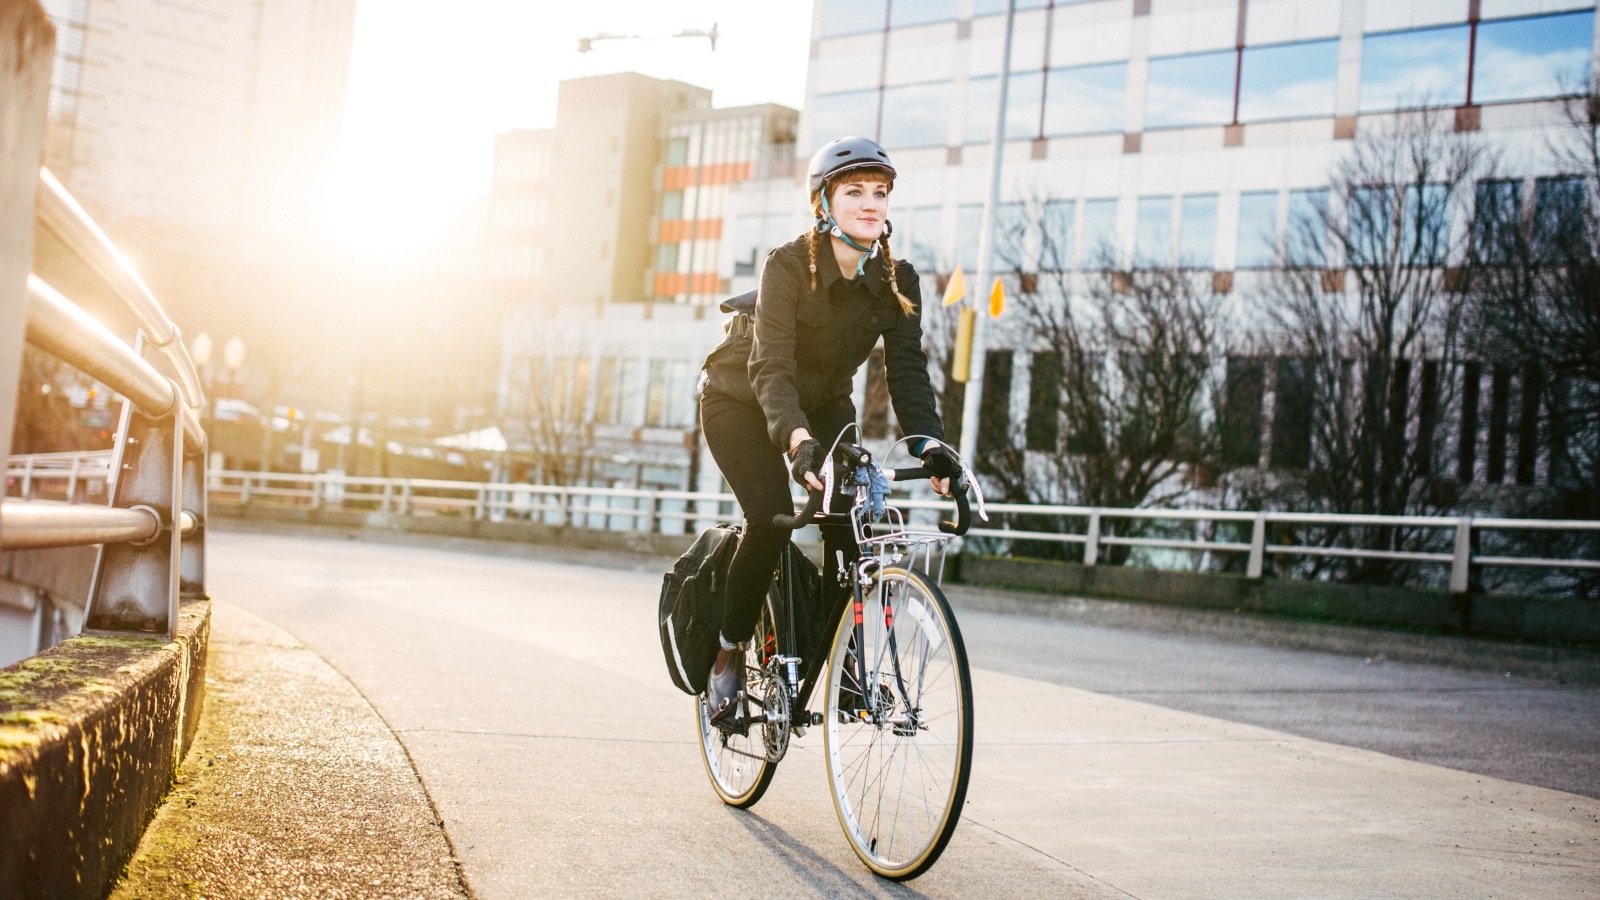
column 941, row 486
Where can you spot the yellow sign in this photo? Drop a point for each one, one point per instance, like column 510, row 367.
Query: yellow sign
column 956, row 289
column 961, row 363
column 997, row 299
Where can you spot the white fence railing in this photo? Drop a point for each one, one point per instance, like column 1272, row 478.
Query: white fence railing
column 1092, row 527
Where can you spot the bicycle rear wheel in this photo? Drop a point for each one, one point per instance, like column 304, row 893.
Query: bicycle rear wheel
column 741, row 765
column 898, row 732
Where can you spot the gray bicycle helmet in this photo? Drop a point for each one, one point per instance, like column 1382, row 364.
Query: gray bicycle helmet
column 844, row 154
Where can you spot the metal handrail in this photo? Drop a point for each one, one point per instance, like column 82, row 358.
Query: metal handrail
column 57, row 212
column 57, row 326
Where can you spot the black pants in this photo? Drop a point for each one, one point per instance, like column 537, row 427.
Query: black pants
column 759, row 476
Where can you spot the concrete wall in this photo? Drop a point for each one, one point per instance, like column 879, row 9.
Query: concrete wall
column 91, row 734
column 1537, row 619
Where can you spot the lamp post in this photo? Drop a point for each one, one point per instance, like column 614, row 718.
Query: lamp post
column 973, row 399
column 200, row 353
column 233, row 358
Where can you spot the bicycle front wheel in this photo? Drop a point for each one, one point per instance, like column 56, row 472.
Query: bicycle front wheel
column 898, row 730
column 740, row 764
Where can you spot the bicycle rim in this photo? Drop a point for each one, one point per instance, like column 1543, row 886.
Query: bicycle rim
column 737, row 764
column 899, row 737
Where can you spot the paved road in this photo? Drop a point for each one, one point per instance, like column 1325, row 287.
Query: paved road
column 530, row 696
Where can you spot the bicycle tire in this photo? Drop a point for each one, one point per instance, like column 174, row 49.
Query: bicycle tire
column 737, row 765
column 899, row 753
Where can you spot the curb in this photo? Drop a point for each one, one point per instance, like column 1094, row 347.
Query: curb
column 91, row 735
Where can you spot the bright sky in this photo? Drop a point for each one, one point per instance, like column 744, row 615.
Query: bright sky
column 431, row 84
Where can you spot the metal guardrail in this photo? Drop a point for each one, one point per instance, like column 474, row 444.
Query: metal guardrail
column 648, row 510
column 151, row 526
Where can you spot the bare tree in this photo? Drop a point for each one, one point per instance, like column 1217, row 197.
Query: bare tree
column 1536, row 313
column 545, row 415
column 1367, row 318
column 1122, row 376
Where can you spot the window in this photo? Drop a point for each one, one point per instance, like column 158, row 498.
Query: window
column 1043, row 430
column 994, row 416
column 1288, row 81
column 920, row 12
column 1099, row 234
column 998, row 7
column 1013, row 246
column 1258, row 230
column 1496, row 219
column 1197, row 232
column 852, row 16
column 680, row 395
column 923, row 250
column 1558, row 216
column 1291, row 416
column 605, row 396
column 1414, row 68
column 1190, row 90
column 1529, row 59
column 969, row 224
column 671, row 205
column 746, row 244
column 1371, row 213
column 667, row 258
column 1426, row 224
column 1243, row 390
column 1055, row 242
column 1467, row 452
column 1022, row 107
column 1152, row 243
column 1306, row 241
column 677, row 151
column 631, row 396
column 852, row 112
column 1086, row 100
column 914, row 115
column 655, row 398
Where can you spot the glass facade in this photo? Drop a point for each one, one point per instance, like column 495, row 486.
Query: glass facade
column 920, row 12
column 1085, row 100
column 914, row 115
column 852, row 16
column 1190, row 90
column 1152, row 242
column 1288, row 81
column 1526, row 59
column 998, row 7
column 850, row 112
column 1056, row 233
column 1258, row 230
column 1414, row 68
column 1197, row 232
column 1099, row 234
column 1023, row 100
column 1305, row 241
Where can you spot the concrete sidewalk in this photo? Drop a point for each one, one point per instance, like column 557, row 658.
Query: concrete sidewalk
column 295, row 786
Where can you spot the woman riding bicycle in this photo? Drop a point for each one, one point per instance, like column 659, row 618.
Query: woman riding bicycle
column 825, row 300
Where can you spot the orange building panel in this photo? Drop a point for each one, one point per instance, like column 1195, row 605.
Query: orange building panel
column 674, row 230
column 676, row 178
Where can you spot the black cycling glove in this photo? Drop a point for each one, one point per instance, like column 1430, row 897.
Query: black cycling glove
column 940, row 462
column 807, row 457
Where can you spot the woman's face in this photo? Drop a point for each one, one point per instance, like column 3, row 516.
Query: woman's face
column 861, row 208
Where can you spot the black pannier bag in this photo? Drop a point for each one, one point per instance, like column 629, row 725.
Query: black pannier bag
column 690, row 614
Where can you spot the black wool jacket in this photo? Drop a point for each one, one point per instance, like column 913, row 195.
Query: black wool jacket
column 808, row 344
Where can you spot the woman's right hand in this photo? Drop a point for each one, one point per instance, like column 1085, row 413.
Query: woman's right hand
column 806, row 459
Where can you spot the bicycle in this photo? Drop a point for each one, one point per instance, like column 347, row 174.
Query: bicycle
column 897, row 700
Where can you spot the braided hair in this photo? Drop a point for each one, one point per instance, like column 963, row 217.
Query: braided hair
column 814, row 237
